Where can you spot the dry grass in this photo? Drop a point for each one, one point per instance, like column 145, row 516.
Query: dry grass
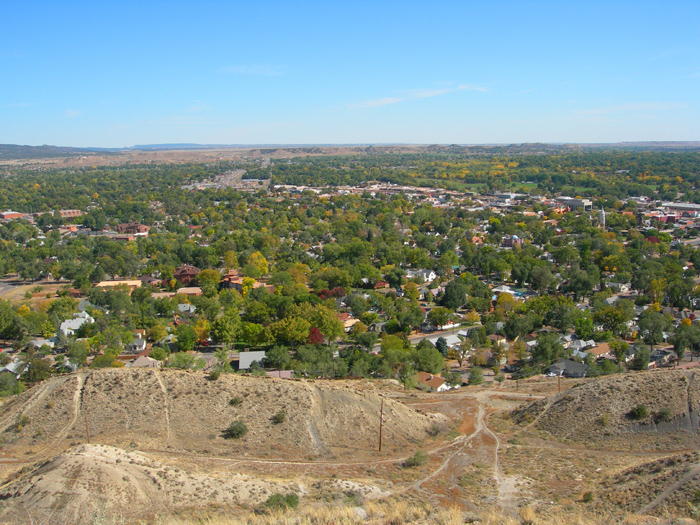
column 400, row 512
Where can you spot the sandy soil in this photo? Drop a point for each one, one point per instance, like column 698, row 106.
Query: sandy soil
column 165, row 430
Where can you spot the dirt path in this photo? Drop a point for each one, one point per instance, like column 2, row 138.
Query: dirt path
column 461, row 445
column 166, row 405
column 550, row 401
column 692, row 474
column 77, row 396
column 38, row 395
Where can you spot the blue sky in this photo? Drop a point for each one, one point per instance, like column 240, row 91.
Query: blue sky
column 114, row 74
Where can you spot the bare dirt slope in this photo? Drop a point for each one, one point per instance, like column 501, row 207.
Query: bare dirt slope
column 98, row 481
column 654, row 487
column 183, row 411
column 599, row 411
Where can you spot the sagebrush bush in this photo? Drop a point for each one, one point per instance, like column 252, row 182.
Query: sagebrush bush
column 282, row 502
column 235, row 430
column 639, row 412
column 415, row 460
column 279, row 417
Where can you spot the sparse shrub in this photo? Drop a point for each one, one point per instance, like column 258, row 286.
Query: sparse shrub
column 663, row 415
column 235, row 430
column 214, row 375
column 638, row 412
column 588, row 497
column 415, row 460
column 279, row 417
column 434, row 430
column 235, row 401
column 603, row 420
column 282, row 502
column 476, row 377
column 500, row 377
column 21, row 422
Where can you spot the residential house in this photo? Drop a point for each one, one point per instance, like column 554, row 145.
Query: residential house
column 133, row 228
column 431, row 383
column 64, row 214
column 186, row 308
column 186, row 273
column 600, row 351
column 191, row 291
column 144, row 362
column 246, row 359
column 427, row 276
column 69, row 326
column 138, row 345
column 497, row 339
column 149, row 280
column 569, row 368
column 132, row 284
column 9, row 215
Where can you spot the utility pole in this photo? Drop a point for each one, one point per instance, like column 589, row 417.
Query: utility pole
column 559, row 378
column 381, row 421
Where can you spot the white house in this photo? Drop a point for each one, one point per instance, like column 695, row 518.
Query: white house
column 69, row 326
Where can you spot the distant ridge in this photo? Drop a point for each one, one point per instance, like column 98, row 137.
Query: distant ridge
column 20, row 152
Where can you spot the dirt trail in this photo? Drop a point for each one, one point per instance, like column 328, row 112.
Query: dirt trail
column 77, row 396
column 673, row 487
column 482, row 440
column 38, row 395
column 166, row 406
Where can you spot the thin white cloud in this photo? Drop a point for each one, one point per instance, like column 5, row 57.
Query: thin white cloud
column 472, row 87
column 72, row 113
column 427, row 93
column 413, row 94
column 378, row 102
column 642, row 106
column 260, row 70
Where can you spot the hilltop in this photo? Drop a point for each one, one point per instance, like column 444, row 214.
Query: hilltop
column 602, row 412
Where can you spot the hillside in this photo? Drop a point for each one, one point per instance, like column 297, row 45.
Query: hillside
column 599, row 412
column 15, row 151
column 185, row 412
column 654, row 487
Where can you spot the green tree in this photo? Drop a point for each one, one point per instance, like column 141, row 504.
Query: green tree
column 407, row 376
column 476, row 376
column 439, row 316
column 290, row 330
column 652, row 325
column 230, row 260
column 619, row 350
column 181, row 360
column 225, row 328
column 455, row 294
column 209, row 282
column 547, row 350
column 428, row 359
column 277, row 357
column 186, row 338
column 222, row 361
column 159, row 353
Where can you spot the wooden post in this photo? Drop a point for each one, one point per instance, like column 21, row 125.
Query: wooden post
column 559, row 378
column 87, row 430
column 381, row 421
